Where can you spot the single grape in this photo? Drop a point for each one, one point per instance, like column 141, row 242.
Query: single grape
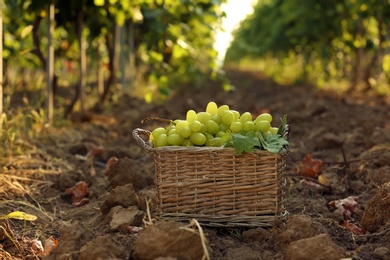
column 236, row 114
column 175, row 139
column 214, row 142
column 224, row 127
column 185, row 132
column 248, row 126
column 187, row 142
column 203, row 129
column 208, row 136
column 171, row 126
column 262, row 125
column 198, row 139
column 228, row 117
column 158, row 131
column 212, row 127
column 172, row 131
column 162, row 140
column 212, row 108
column 220, row 134
column 274, row 130
column 264, row 116
column 222, row 108
column 203, row 117
column 236, row 127
column 191, row 116
column 266, row 134
column 196, row 126
column 180, row 125
column 216, row 118
column 245, row 117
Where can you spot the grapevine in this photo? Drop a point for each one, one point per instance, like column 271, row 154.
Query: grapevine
column 221, row 126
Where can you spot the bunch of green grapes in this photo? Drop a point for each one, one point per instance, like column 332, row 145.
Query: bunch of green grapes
column 213, row 127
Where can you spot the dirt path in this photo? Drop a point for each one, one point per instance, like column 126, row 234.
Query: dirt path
column 110, row 223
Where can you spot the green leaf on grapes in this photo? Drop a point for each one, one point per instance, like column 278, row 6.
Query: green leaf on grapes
column 245, row 142
column 273, row 143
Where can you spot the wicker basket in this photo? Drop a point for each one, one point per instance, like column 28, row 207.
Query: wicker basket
column 216, row 186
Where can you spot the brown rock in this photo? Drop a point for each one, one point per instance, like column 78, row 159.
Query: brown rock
column 319, row 247
column 255, row 235
column 121, row 195
column 377, row 211
column 300, row 227
column 100, row 248
column 150, row 195
column 119, row 218
column 168, row 239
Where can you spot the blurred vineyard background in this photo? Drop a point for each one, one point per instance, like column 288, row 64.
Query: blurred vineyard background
column 77, row 55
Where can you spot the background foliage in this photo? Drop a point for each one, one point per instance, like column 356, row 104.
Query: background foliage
column 156, row 44
column 320, row 41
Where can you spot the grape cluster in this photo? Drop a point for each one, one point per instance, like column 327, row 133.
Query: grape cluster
column 213, row 127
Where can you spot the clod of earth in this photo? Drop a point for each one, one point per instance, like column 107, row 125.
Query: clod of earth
column 314, row 248
column 121, row 195
column 168, row 239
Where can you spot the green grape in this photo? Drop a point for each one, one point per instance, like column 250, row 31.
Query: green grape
column 236, row 127
column 227, row 137
column 180, row 125
column 212, row 108
column 191, row 116
column 248, row 126
column 245, row 117
column 198, row 139
column 196, row 126
column 203, row 117
column 222, row 108
column 161, row 140
column 220, row 134
column 262, row 125
column 208, row 136
column 274, row 130
column 236, row 114
column 212, row 127
column 228, row 117
column 171, row 126
column 216, row 118
column 187, row 142
column 175, row 139
column 264, row 116
column 214, row 142
column 158, row 131
column 265, row 134
column 185, row 132
column 224, row 127
column 172, row 131
column 203, row 129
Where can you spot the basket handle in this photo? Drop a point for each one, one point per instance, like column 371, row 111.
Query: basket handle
column 138, row 133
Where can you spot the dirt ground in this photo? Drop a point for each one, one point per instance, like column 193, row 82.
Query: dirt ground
column 349, row 134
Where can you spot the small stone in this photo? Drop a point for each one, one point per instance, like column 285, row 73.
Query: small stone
column 381, row 251
column 169, row 240
column 255, row 235
column 121, row 195
column 119, row 218
column 314, row 248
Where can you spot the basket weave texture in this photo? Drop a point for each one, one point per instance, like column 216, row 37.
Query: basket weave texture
column 216, row 186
